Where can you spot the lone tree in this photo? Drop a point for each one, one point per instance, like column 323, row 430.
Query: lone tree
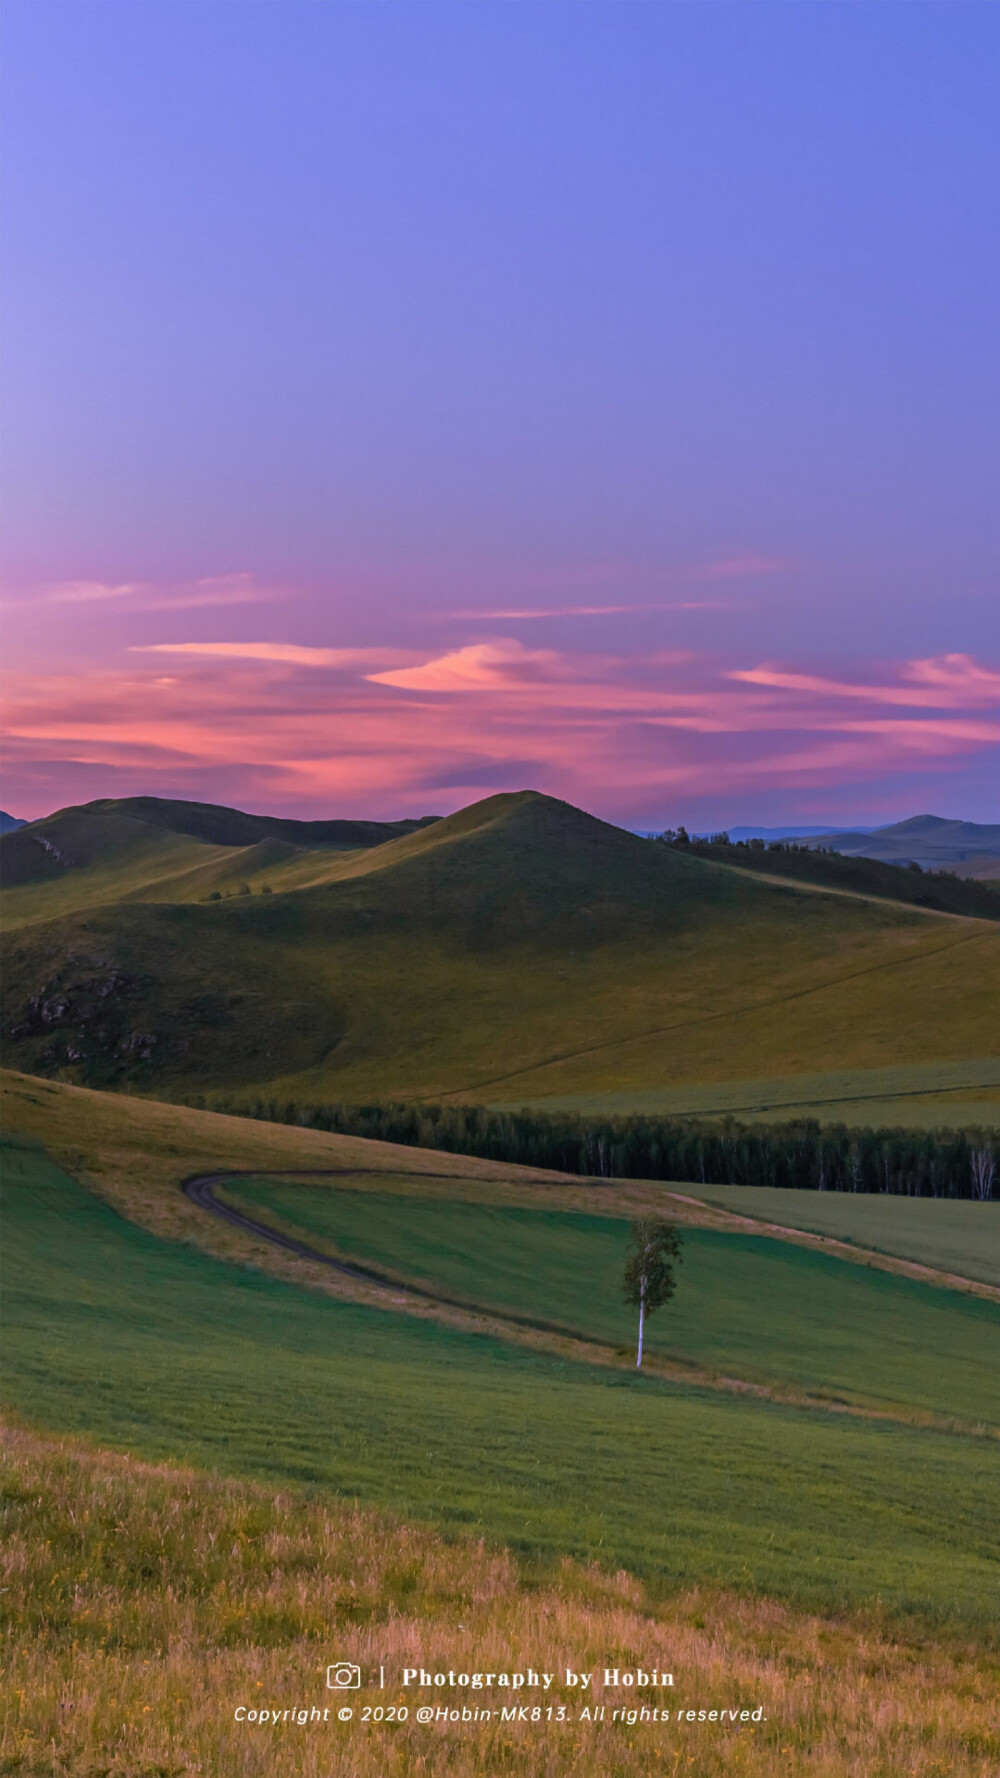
column 654, row 1249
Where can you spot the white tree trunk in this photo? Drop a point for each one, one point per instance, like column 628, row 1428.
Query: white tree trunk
column 642, row 1315
column 984, row 1172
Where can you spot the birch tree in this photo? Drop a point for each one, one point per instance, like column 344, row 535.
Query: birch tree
column 654, row 1249
column 984, row 1172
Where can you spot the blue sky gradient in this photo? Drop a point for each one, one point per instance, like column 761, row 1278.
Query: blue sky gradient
column 401, row 316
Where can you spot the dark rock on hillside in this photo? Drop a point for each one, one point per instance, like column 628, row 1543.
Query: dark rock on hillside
column 85, row 1015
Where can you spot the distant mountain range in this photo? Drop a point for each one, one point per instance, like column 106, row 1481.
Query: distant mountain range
column 971, row 849
column 779, row 833
column 8, row 823
column 968, row 847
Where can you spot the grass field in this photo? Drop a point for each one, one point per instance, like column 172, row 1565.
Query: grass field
column 157, row 1347
column 955, row 1235
column 359, row 1469
column 746, row 1306
column 143, row 1604
column 544, row 955
column 923, row 1096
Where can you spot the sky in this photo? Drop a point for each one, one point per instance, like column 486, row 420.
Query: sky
column 408, row 402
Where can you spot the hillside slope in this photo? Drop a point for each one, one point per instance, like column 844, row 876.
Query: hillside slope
column 942, row 892
column 518, row 949
column 152, row 849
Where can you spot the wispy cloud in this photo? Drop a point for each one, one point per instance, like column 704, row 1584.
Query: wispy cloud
column 943, row 682
column 85, row 592
column 375, row 731
column 528, row 611
column 736, row 568
column 212, row 590
column 284, row 653
column 481, row 666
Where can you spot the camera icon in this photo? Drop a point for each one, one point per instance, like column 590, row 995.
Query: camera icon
column 343, row 1676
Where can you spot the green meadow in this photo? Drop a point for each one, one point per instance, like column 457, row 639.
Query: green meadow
column 952, row 1234
column 746, row 1305
column 153, row 1346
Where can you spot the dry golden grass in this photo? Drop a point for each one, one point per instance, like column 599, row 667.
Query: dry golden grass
column 143, row 1604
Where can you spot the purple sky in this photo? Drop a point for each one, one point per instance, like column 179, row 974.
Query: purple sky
column 407, row 402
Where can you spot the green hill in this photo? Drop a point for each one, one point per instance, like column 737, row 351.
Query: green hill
column 233, row 827
column 151, row 849
column 517, row 950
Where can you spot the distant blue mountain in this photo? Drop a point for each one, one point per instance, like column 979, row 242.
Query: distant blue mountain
column 927, row 840
column 781, row 833
column 968, row 847
column 9, row 822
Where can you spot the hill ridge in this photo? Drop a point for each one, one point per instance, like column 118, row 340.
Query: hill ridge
column 91, row 835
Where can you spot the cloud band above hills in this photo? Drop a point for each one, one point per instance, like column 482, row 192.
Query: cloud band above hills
column 377, row 731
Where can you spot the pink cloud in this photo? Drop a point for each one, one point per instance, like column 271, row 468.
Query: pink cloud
column 483, row 666
column 140, row 596
column 593, row 610
column 943, row 682
column 85, row 592
column 211, row 590
column 283, row 653
column 737, row 568
column 957, row 673
column 285, row 725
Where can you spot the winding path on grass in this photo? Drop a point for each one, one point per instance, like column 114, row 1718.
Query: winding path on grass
column 200, row 1188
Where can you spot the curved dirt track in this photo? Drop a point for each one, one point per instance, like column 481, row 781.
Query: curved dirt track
column 199, row 1188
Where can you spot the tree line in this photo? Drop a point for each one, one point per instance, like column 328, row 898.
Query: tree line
column 800, row 1154
column 941, row 889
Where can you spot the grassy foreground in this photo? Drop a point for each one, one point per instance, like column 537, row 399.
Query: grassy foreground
column 145, row 1601
column 144, row 1604
column 161, row 1349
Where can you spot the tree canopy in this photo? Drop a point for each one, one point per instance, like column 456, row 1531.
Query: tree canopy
column 654, row 1250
